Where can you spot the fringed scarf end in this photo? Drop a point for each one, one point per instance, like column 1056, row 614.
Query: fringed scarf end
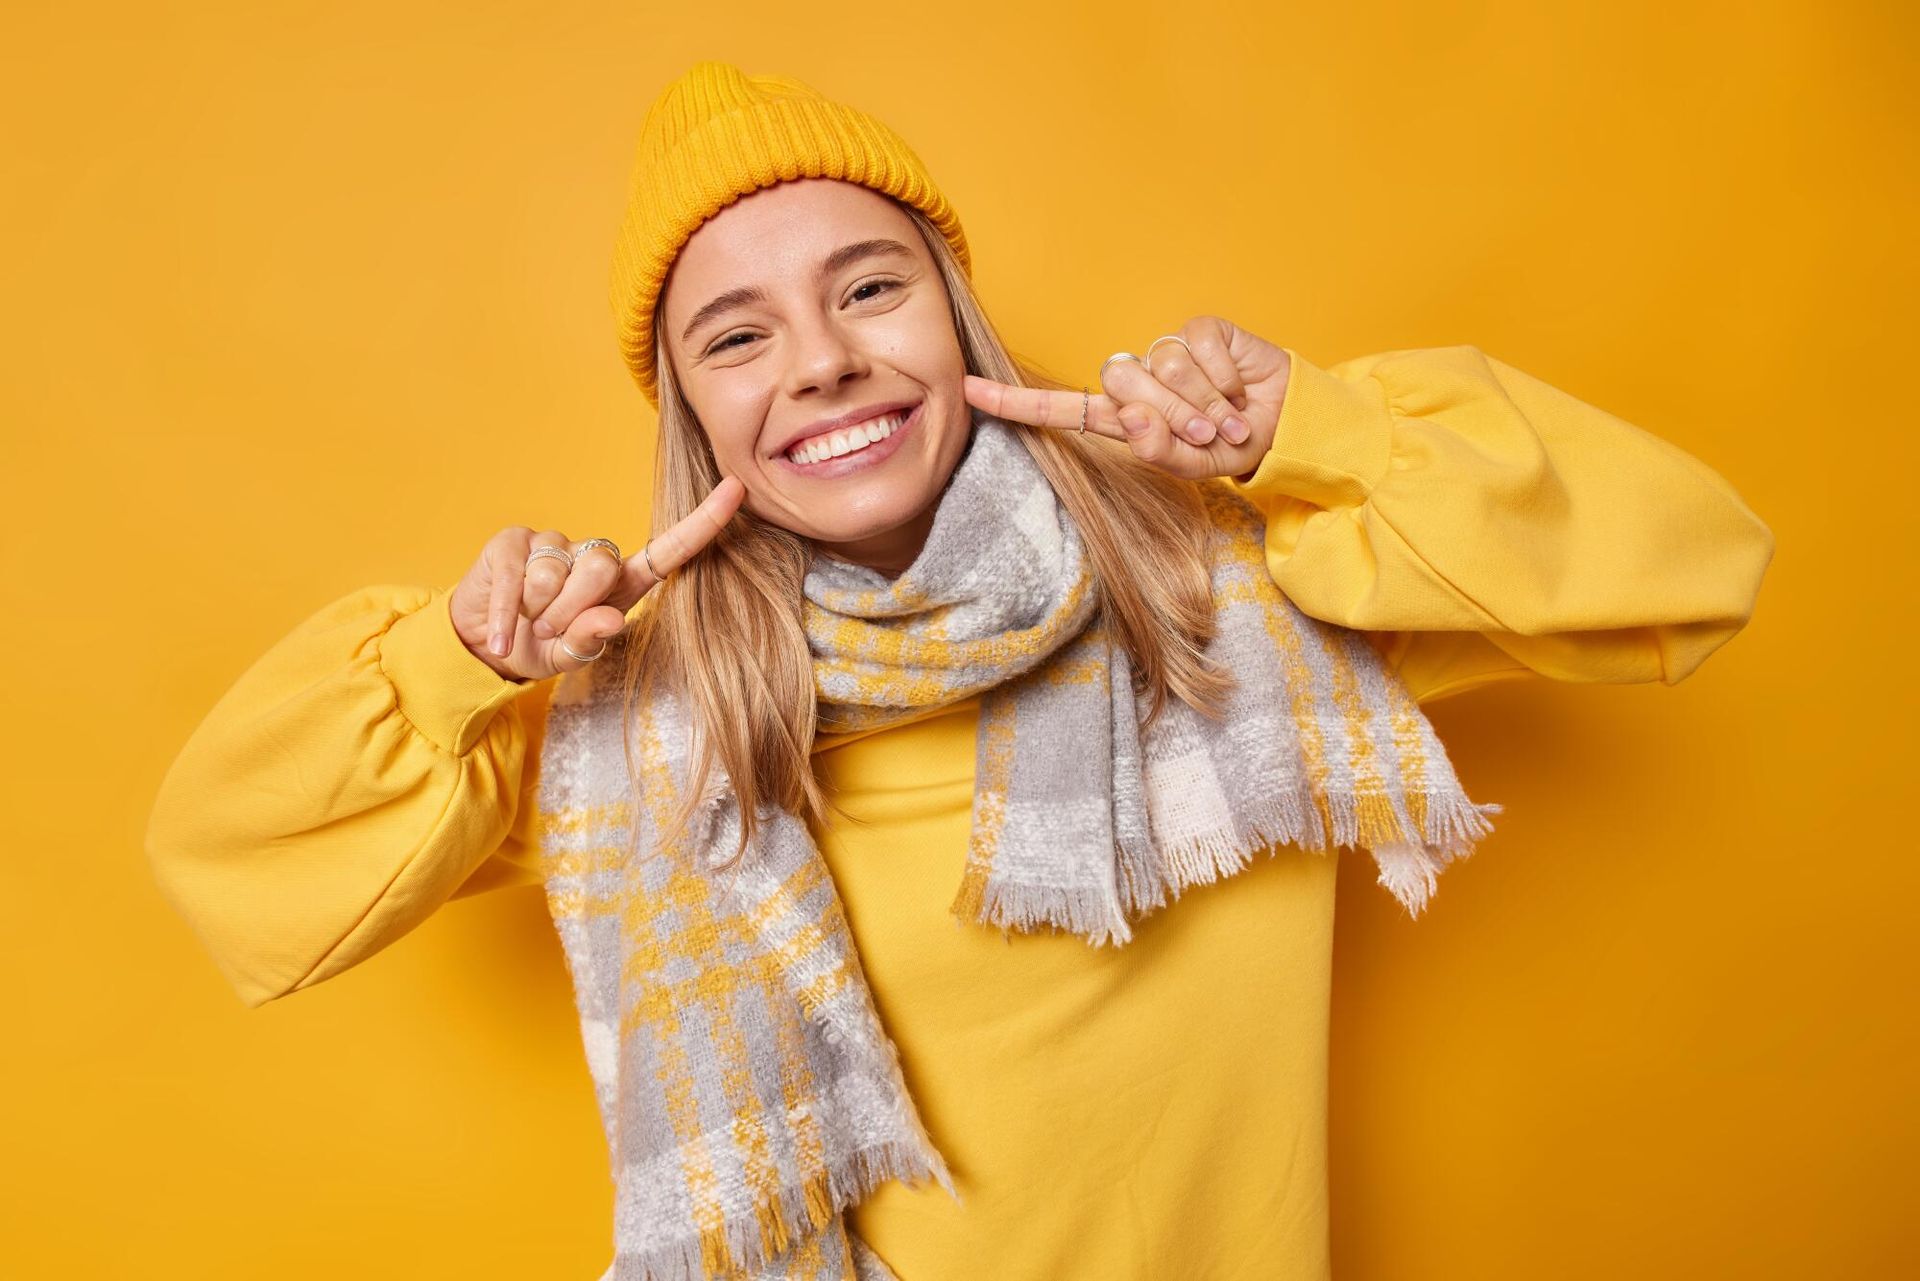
column 1080, row 909
column 1167, row 871
column 754, row 1240
column 1198, row 860
column 1410, row 871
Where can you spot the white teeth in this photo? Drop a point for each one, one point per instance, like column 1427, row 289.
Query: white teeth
column 848, row 441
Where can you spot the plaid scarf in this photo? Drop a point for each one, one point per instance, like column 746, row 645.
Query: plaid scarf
column 748, row 1090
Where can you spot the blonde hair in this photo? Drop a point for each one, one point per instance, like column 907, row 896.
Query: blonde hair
column 725, row 628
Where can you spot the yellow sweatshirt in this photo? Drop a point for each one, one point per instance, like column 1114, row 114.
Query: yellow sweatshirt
column 1106, row 1112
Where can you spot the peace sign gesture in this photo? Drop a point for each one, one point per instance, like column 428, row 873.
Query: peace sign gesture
column 1207, row 406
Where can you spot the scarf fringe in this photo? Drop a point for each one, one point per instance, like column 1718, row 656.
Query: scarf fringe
column 1013, row 906
column 863, row 1037
column 867, row 1263
column 1410, row 871
column 1409, row 864
column 752, row 1240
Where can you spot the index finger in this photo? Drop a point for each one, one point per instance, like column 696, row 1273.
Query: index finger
column 678, row 543
column 1041, row 407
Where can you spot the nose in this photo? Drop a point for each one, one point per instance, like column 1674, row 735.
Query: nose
column 822, row 356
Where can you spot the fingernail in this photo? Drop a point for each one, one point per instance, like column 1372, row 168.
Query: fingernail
column 1235, row 429
column 541, row 629
column 1200, row 430
column 498, row 644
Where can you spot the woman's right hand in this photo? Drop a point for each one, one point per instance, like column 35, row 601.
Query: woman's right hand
column 502, row 598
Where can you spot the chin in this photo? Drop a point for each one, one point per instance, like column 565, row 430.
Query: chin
column 858, row 516
column 843, row 532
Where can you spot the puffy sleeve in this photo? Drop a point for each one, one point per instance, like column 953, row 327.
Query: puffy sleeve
column 362, row 772
column 1481, row 525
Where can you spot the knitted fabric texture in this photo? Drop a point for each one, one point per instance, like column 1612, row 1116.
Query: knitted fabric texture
column 749, row 1091
column 717, row 134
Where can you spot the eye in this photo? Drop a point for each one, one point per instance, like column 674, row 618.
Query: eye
column 726, row 342
column 875, row 284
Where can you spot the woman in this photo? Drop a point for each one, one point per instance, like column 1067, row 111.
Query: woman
column 1009, row 655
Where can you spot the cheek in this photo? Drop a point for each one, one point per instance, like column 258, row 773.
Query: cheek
column 732, row 448
column 924, row 343
column 732, row 429
column 735, row 441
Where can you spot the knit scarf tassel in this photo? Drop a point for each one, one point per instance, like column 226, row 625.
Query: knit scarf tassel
column 749, row 1090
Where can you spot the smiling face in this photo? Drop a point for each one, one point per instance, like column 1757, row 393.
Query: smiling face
column 811, row 332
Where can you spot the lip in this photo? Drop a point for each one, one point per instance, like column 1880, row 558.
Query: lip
column 872, row 456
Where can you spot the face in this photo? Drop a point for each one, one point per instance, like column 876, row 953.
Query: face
column 804, row 321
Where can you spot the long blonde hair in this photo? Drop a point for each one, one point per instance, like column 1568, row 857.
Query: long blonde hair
column 725, row 628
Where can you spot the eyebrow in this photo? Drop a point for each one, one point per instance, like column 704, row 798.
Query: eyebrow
column 835, row 261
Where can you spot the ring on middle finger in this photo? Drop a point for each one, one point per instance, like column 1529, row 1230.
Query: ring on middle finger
column 592, row 543
column 1118, row 355
column 1148, row 362
column 554, row 553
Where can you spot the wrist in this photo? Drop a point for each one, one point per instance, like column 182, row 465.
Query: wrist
column 1332, row 440
column 1263, row 437
column 449, row 692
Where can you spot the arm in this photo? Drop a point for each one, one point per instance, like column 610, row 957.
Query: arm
column 1481, row 525
column 363, row 771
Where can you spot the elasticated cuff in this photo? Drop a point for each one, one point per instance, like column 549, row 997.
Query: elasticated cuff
column 1333, row 442
column 444, row 689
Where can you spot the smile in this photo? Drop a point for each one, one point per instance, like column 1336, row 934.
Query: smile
column 851, row 448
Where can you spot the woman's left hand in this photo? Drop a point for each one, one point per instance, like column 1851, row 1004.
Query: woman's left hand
column 1181, row 417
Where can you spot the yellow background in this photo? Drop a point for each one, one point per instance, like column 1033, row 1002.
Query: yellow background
column 306, row 297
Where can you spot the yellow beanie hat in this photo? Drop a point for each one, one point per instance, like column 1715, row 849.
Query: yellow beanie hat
column 717, row 134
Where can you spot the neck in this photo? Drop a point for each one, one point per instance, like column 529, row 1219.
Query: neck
column 889, row 554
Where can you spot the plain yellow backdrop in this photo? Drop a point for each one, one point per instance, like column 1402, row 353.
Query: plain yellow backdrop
column 304, row 297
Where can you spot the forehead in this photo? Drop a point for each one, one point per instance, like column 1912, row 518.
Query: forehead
column 781, row 232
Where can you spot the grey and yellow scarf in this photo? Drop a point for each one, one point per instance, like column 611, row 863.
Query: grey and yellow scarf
column 748, row 1089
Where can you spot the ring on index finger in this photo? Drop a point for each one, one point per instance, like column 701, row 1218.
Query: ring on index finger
column 1148, row 362
column 646, row 554
column 553, row 553
column 1118, row 355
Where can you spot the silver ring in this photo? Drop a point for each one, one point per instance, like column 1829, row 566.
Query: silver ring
column 552, row 553
column 1148, row 362
column 646, row 554
column 1086, row 398
column 1118, row 355
column 592, row 543
column 583, row 658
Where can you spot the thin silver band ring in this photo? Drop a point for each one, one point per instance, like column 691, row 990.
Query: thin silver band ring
column 582, row 658
column 1148, row 362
